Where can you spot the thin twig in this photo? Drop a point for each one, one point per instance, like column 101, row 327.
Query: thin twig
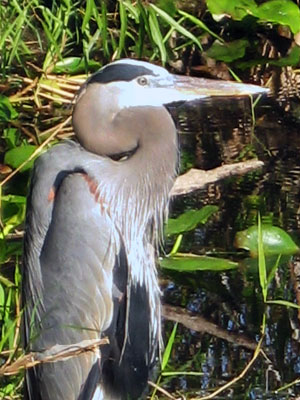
column 237, row 378
column 160, row 389
column 54, row 354
column 37, row 151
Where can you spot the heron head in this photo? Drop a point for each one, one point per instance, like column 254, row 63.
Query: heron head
column 140, row 89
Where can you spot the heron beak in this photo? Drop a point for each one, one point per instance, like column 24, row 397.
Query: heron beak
column 190, row 88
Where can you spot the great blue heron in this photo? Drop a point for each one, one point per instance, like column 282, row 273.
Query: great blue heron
column 94, row 221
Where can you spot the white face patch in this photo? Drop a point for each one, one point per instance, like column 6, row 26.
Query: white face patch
column 158, row 92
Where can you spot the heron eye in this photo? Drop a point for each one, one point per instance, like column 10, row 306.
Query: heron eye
column 142, row 81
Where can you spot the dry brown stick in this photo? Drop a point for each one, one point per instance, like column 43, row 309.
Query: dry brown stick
column 196, row 179
column 200, row 324
column 54, row 354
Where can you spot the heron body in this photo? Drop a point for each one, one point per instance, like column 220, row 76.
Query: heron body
column 94, row 220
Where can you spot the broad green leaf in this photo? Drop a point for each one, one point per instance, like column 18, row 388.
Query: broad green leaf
column 283, row 12
column 237, row 9
column 274, row 239
column 191, row 262
column 15, row 157
column 74, row 65
column 228, row 52
column 189, row 220
column 7, row 111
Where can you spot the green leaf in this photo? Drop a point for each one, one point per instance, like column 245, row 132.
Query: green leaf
column 168, row 349
column 191, row 262
column 228, row 52
column 175, row 25
column 189, row 220
column 14, row 198
column 199, row 23
column 283, row 12
column 11, row 137
column 283, row 303
column 15, row 157
column 168, row 6
column 104, row 29
column 133, row 10
column 237, row 9
column 7, row 111
column 156, row 35
column 6, row 282
column 90, row 5
column 123, row 30
column 292, row 59
column 2, row 297
column 75, row 65
column 261, row 261
column 274, row 239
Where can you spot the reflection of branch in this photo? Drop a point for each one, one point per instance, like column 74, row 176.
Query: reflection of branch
column 200, row 324
column 196, row 179
column 54, row 354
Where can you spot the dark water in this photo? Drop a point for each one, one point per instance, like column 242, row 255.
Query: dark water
column 222, row 132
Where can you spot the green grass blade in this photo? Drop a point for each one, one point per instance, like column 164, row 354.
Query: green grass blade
column 90, row 5
column 199, row 23
column 262, row 262
column 156, row 34
column 283, row 303
column 104, row 29
column 171, row 21
column 123, row 21
column 168, row 349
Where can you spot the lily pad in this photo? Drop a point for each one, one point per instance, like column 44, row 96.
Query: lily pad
column 192, row 262
column 275, row 241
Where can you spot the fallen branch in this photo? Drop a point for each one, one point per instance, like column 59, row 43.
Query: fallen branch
column 196, row 179
column 200, row 324
column 54, row 354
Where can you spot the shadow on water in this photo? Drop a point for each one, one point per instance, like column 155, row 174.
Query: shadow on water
column 221, row 132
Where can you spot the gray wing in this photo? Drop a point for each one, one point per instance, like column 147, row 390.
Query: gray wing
column 69, row 255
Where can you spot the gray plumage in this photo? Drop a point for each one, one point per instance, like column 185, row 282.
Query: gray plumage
column 94, row 221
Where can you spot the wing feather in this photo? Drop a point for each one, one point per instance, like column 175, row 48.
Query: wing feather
column 71, row 248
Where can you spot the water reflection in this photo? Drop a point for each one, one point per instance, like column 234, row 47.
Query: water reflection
column 221, row 132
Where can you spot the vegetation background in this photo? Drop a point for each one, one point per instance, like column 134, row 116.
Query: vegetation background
column 47, row 48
